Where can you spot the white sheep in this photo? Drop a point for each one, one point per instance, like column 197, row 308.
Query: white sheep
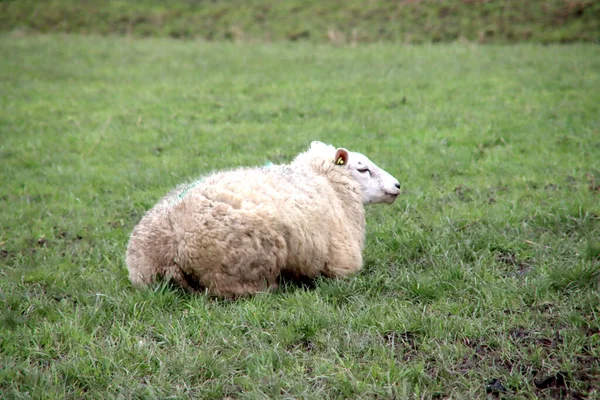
column 234, row 233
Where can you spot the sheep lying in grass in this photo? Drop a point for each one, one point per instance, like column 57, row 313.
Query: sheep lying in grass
column 234, row 233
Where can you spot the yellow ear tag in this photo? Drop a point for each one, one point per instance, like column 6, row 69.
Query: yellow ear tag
column 340, row 161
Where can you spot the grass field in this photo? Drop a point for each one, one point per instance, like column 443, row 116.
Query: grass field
column 317, row 21
column 486, row 268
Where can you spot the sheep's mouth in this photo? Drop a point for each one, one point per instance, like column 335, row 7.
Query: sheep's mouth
column 391, row 197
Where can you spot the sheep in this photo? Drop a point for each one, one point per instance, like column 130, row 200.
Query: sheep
column 234, row 233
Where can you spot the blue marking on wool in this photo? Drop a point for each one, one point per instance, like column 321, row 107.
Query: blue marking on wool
column 185, row 191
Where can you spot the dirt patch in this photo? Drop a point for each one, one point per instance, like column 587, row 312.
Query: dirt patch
column 526, row 337
column 463, row 193
column 493, row 192
column 403, row 343
column 303, row 344
column 519, row 267
column 495, row 387
column 482, row 353
column 557, row 385
column 593, row 182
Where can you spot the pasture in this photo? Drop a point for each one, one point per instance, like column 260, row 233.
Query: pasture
column 482, row 279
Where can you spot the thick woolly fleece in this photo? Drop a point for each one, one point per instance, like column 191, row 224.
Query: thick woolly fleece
column 234, row 233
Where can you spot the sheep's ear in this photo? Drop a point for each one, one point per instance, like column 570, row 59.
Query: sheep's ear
column 341, row 157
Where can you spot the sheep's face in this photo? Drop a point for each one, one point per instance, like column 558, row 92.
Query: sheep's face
column 377, row 185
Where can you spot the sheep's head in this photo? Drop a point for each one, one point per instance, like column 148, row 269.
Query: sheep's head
column 377, row 185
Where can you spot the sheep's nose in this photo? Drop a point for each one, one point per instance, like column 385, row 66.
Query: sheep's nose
column 398, row 185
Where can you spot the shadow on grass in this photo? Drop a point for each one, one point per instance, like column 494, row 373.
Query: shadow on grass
column 287, row 284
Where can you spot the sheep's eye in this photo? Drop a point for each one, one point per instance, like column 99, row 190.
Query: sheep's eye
column 363, row 170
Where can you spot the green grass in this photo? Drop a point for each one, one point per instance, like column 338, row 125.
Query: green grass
column 487, row 267
column 348, row 21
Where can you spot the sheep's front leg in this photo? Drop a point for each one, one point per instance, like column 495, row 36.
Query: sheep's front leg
column 343, row 261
